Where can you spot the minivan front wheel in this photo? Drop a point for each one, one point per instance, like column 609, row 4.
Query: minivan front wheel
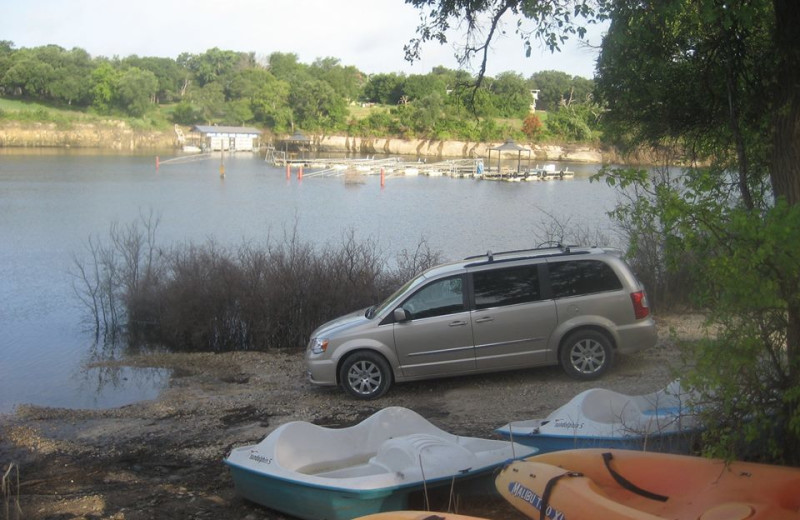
column 365, row 375
column 586, row 355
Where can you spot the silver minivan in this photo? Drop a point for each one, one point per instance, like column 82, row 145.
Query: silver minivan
column 577, row 307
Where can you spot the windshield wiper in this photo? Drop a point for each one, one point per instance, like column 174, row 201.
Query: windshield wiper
column 370, row 312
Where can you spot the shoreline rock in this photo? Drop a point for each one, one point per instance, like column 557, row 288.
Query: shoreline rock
column 461, row 149
column 119, row 136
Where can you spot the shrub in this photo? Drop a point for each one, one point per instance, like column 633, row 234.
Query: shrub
column 211, row 298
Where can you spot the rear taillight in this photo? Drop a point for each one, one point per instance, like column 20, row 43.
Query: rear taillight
column 640, row 308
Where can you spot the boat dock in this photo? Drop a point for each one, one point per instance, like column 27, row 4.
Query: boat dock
column 331, row 167
column 546, row 173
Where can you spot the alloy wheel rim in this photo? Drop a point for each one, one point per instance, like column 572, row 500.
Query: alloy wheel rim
column 587, row 356
column 364, row 377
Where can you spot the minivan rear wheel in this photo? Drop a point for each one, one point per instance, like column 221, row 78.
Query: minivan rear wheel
column 586, row 355
column 365, row 375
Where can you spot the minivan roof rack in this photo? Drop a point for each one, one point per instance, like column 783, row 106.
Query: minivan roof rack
column 565, row 249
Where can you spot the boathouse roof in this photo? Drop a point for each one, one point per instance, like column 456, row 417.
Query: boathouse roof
column 511, row 146
column 226, row 130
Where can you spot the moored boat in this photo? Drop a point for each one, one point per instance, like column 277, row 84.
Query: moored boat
column 666, row 420
column 313, row 472
column 549, row 171
column 588, row 484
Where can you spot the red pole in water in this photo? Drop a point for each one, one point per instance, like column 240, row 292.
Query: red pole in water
column 156, row 162
column 300, row 173
column 288, row 171
column 383, row 179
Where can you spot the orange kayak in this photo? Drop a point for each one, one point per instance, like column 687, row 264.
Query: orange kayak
column 594, row 484
column 417, row 515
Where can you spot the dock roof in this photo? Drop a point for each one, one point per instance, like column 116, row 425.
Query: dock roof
column 214, row 129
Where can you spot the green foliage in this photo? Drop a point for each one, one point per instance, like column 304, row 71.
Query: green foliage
column 226, row 87
column 316, row 106
column 215, row 64
column 185, row 113
column 574, row 123
column 105, row 81
column 728, row 223
column 748, row 280
column 346, row 81
column 513, row 97
column 385, row 89
column 137, row 90
column 688, row 238
column 554, row 88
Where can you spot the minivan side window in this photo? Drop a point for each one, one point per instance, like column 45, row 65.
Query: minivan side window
column 509, row 286
column 577, row 277
column 438, row 298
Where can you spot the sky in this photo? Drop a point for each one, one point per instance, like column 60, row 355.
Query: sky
column 368, row 34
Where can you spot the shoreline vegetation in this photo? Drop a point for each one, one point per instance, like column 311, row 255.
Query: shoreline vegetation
column 119, row 136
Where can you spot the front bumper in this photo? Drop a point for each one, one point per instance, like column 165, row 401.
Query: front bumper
column 320, row 372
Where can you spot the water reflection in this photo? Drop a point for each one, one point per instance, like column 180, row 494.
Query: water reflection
column 105, row 381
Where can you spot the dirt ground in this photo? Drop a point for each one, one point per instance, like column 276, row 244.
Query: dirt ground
column 163, row 458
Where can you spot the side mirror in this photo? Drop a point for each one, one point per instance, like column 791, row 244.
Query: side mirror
column 400, row 315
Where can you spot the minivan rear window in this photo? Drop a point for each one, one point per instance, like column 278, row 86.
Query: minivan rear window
column 577, row 277
column 510, row 286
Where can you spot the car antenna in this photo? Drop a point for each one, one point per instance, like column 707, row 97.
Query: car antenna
column 490, row 255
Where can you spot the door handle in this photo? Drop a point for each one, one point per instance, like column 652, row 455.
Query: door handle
column 483, row 320
column 457, row 323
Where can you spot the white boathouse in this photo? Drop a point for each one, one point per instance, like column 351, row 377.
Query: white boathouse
column 228, row 138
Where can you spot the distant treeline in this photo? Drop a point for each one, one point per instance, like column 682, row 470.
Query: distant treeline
column 280, row 94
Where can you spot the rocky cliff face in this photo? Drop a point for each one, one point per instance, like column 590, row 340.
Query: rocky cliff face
column 113, row 135
column 118, row 135
column 434, row 148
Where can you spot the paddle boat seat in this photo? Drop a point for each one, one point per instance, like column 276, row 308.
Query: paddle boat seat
column 420, row 450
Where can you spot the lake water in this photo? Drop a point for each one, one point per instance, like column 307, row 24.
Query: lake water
column 51, row 202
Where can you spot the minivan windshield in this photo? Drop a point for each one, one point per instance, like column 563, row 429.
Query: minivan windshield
column 374, row 311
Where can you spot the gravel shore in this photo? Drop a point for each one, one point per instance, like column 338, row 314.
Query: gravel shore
column 163, row 458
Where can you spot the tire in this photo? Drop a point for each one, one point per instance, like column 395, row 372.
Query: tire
column 365, row 375
column 586, row 355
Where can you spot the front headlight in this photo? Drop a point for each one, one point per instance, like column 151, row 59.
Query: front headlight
column 318, row 345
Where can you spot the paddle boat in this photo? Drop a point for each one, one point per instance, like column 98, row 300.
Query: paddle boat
column 318, row 473
column 665, row 420
column 418, row 515
column 588, row 484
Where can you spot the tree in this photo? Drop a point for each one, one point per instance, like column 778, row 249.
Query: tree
column 287, row 67
column 69, row 84
column 512, row 95
column 383, row 88
column 169, row 74
column 137, row 90
column 215, row 64
column 532, row 126
column 105, row 84
column 418, row 86
column 316, row 106
column 737, row 220
column 28, row 76
column 554, row 87
column 346, row 81
column 211, row 100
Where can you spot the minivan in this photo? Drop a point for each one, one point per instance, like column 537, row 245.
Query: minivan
column 577, row 307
